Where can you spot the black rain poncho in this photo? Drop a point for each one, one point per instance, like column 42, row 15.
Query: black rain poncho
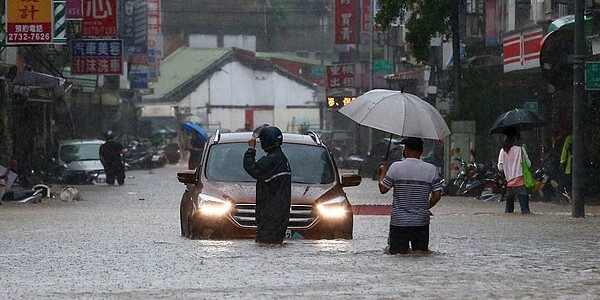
column 273, row 193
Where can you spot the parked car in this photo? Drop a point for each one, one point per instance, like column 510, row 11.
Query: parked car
column 342, row 145
column 376, row 156
column 79, row 161
column 369, row 167
column 219, row 199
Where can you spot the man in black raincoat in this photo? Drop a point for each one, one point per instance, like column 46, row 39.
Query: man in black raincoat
column 273, row 185
column 111, row 157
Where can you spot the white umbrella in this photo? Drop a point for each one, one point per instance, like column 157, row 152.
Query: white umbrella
column 398, row 113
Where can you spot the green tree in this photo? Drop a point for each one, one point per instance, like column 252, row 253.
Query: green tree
column 427, row 18
column 277, row 19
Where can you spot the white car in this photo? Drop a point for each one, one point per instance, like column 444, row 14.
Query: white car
column 79, row 161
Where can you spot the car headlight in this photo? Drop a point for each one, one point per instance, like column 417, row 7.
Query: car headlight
column 333, row 208
column 210, row 205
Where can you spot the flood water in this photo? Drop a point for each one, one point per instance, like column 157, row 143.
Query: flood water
column 115, row 246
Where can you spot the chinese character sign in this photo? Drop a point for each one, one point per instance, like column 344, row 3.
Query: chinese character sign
column 336, row 102
column 98, row 57
column 29, row 21
column 346, row 21
column 99, row 18
column 340, row 76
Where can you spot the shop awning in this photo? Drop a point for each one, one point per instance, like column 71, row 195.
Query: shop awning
column 38, row 86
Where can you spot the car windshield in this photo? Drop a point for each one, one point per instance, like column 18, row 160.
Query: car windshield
column 309, row 164
column 69, row 153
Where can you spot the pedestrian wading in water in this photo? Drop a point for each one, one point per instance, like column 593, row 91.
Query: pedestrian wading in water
column 417, row 188
column 273, row 184
column 509, row 162
column 111, row 156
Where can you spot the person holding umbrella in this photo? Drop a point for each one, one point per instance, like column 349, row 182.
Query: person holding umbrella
column 195, row 147
column 417, row 188
column 509, row 162
column 198, row 138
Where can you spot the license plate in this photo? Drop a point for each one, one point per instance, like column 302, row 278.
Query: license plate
column 101, row 178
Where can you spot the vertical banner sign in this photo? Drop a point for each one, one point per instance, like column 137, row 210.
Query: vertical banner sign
column 340, row 76
column 74, row 10
column 491, row 33
column 127, row 24
column 97, row 57
column 29, row 21
column 60, row 22
column 346, row 21
column 365, row 16
column 140, row 31
column 154, row 17
column 99, row 18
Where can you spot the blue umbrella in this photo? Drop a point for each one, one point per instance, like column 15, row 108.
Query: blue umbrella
column 189, row 127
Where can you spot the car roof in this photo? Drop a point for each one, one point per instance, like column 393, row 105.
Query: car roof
column 80, row 142
column 291, row 138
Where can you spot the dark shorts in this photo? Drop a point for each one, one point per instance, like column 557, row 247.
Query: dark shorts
column 400, row 237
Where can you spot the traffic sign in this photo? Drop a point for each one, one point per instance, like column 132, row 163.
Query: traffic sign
column 382, row 66
column 532, row 106
column 592, row 75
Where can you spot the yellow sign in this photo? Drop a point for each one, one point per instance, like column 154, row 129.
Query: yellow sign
column 29, row 21
column 339, row 101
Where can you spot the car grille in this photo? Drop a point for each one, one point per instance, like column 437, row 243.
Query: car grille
column 301, row 216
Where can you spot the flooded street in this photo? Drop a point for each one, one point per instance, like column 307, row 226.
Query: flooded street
column 124, row 242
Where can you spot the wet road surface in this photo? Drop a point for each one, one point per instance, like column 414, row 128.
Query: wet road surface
column 124, row 243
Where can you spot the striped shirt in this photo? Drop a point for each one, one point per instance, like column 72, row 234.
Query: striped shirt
column 413, row 181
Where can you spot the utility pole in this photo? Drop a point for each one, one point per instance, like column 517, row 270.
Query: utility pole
column 456, row 63
column 579, row 55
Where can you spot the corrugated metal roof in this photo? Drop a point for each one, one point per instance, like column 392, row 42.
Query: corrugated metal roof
column 181, row 66
column 287, row 57
column 88, row 83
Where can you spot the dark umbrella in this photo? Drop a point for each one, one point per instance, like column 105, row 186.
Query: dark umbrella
column 521, row 119
column 189, row 127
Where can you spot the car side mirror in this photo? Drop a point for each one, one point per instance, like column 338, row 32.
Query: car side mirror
column 187, row 177
column 351, row 180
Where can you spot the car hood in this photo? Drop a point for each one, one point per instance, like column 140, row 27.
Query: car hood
column 85, row 165
column 246, row 192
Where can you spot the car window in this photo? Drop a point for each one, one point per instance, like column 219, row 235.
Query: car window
column 309, row 164
column 70, row 153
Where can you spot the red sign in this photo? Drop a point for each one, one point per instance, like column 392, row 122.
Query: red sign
column 74, row 10
column 521, row 49
column 154, row 17
column 29, row 22
column 99, row 18
column 346, row 21
column 340, row 76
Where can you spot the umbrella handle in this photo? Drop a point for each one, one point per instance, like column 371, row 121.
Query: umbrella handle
column 388, row 149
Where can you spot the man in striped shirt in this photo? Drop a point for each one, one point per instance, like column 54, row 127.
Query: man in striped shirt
column 417, row 188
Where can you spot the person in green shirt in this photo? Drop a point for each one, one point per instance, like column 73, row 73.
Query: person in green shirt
column 566, row 159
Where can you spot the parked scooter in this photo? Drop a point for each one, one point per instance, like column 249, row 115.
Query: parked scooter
column 468, row 182
column 547, row 188
column 494, row 185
